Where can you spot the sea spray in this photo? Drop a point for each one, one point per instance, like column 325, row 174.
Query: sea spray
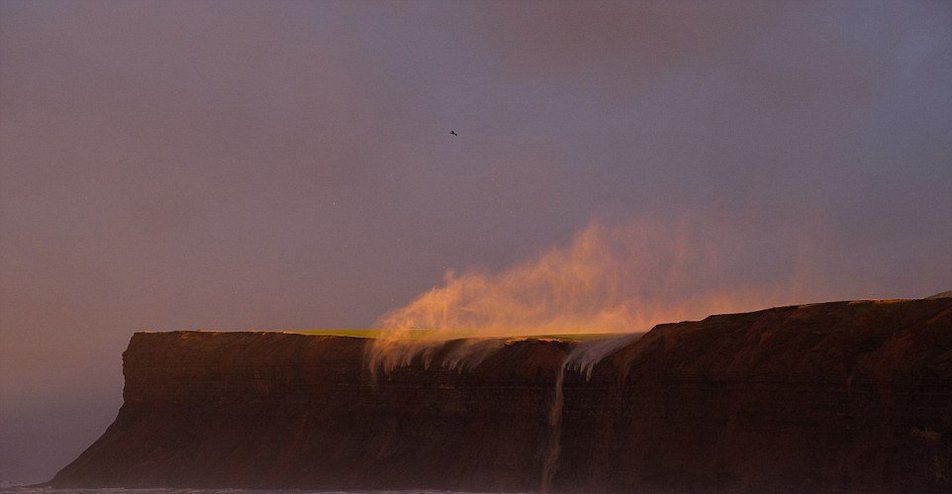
column 609, row 278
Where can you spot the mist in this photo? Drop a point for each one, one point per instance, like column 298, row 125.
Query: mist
column 246, row 165
column 611, row 279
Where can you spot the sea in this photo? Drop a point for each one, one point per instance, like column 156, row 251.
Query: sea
column 13, row 489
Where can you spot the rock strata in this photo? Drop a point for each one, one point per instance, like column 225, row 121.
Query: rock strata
column 834, row 397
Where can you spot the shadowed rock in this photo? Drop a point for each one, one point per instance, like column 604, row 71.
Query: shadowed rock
column 835, row 397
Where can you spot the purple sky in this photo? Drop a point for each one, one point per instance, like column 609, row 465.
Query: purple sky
column 173, row 165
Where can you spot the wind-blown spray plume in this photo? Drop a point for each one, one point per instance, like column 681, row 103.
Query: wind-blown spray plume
column 606, row 280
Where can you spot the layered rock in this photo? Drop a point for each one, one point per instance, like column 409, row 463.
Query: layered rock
column 837, row 397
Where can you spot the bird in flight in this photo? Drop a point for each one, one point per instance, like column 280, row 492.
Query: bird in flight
column 453, row 132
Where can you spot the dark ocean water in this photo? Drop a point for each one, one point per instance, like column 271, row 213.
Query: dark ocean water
column 43, row 490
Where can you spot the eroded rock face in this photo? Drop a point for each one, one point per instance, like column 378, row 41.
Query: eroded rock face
column 838, row 397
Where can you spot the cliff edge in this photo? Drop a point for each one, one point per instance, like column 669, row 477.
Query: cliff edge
column 833, row 397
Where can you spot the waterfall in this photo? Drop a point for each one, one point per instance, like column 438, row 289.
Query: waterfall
column 582, row 358
column 551, row 461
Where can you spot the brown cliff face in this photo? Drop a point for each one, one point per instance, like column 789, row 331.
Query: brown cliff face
column 838, row 397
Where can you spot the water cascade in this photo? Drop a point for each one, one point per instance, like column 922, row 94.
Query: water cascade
column 554, row 447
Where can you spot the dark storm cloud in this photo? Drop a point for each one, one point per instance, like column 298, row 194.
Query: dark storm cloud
column 236, row 165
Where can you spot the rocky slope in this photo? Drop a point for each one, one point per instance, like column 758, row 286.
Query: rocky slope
column 836, row 397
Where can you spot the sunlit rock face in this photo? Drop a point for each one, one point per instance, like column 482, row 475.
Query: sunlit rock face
column 837, row 397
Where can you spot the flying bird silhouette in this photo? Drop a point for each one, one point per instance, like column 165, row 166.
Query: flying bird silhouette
column 453, row 132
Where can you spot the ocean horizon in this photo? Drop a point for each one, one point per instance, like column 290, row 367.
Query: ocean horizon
column 33, row 489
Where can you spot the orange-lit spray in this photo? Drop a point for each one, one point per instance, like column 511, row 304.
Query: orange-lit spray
column 618, row 279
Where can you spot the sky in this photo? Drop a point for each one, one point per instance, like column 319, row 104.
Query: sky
column 288, row 165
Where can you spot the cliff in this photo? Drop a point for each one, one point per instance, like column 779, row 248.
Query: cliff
column 835, row 397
